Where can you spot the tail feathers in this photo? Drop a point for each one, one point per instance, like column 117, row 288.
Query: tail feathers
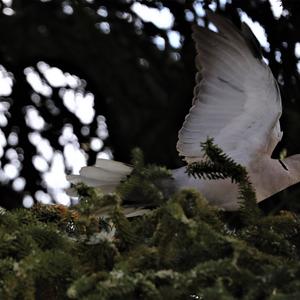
column 106, row 175
column 113, row 166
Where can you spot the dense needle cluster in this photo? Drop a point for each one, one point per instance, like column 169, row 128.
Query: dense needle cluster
column 217, row 165
column 183, row 249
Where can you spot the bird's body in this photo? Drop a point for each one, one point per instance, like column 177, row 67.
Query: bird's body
column 212, row 190
column 237, row 103
column 274, row 176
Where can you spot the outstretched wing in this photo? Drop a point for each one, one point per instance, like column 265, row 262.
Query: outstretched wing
column 236, row 99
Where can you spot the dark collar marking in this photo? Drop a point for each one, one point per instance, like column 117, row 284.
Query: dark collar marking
column 283, row 165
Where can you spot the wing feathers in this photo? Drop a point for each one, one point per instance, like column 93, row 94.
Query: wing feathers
column 235, row 98
column 106, row 175
column 112, row 165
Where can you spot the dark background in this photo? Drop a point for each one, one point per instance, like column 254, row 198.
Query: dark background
column 144, row 92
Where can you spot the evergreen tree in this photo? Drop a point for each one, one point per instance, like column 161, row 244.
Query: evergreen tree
column 182, row 249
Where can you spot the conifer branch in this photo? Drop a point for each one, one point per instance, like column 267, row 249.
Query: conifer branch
column 142, row 186
column 218, row 165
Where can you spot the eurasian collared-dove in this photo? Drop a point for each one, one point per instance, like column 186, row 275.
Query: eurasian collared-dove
column 237, row 102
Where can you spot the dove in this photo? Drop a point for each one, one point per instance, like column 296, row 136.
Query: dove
column 236, row 102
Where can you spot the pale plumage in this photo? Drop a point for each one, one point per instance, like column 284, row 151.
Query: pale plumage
column 237, row 102
column 106, row 174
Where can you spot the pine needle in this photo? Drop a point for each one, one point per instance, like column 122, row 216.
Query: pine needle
column 217, row 165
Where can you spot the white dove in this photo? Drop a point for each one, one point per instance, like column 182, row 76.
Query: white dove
column 237, row 103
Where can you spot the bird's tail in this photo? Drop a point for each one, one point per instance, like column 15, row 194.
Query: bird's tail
column 105, row 174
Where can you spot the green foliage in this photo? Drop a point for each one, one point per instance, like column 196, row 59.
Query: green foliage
column 217, row 165
column 143, row 186
column 182, row 249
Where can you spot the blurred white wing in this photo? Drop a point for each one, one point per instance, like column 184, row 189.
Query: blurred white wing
column 106, row 175
column 236, row 99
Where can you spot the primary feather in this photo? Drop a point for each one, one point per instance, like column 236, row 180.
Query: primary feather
column 237, row 102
